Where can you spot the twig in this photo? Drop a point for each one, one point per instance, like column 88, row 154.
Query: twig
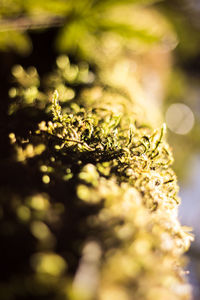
column 29, row 23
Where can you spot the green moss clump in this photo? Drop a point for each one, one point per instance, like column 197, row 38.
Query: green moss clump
column 90, row 207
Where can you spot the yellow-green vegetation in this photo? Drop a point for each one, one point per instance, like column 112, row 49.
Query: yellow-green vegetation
column 92, row 213
column 88, row 207
column 88, row 28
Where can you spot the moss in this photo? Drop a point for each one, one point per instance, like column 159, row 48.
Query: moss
column 91, row 194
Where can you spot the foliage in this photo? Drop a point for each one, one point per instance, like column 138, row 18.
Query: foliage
column 90, row 193
column 85, row 25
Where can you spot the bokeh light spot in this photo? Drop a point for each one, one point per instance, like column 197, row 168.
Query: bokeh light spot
column 179, row 118
column 48, row 263
column 46, row 179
